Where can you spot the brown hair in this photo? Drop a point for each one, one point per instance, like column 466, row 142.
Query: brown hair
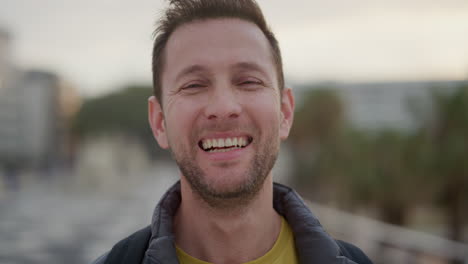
column 181, row 12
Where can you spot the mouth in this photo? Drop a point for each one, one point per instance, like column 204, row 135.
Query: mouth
column 213, row 145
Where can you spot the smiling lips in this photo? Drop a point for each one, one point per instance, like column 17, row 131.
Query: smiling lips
column 224, row 144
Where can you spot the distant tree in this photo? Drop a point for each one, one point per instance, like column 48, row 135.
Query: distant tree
column 392, row 173
column 320, row 118
column 448, row 136
column 123, row 111
column 318, row 125
column 335, row 161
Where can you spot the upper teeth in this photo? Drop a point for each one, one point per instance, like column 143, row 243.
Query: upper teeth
column 224, row 142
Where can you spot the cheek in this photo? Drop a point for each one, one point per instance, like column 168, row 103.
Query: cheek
column 265, row 110
column 180, row 120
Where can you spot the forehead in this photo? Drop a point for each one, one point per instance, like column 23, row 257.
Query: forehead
column 216, row 43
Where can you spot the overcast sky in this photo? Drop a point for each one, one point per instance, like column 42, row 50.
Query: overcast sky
column 98, row 45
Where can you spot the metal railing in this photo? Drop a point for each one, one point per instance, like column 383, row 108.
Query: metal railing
column 385, row 243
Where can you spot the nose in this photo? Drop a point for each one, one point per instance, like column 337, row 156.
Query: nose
column 222, row 104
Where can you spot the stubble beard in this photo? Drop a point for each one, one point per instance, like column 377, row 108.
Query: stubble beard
column 240, row 195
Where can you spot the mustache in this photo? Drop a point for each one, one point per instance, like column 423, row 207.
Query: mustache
column 222, row 126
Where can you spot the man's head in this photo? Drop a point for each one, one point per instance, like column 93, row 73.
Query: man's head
column 181, row 12
column 225, row 109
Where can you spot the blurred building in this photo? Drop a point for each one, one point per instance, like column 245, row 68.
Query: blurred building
column 399, row 105
column 4, row 52
column 34, row 108
column 395, row 105
column 28, row 118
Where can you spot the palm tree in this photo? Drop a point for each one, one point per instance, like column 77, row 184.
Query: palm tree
column 354, row 168
column 315, row 136
column 449, row 137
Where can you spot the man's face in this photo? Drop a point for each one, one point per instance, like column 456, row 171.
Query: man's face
column 222, row 116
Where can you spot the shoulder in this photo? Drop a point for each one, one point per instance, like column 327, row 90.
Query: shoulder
column 352, row 252
column 133, row 247
column 101, row 259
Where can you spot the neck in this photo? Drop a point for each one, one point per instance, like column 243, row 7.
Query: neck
column 219, row 237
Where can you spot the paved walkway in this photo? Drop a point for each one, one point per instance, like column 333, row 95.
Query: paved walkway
column 45, row 223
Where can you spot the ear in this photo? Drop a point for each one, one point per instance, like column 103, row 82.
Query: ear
column 287, row 112
column 156, row 120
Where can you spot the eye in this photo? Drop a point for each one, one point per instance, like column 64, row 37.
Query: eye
column 250, row 83
column 192, row 86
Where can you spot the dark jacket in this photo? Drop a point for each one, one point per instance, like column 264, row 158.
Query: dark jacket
column 155, row 244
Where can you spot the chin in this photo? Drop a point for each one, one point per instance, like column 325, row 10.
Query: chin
column 226, row 181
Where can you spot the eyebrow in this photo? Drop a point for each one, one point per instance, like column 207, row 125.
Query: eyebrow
column 190, row 70
column 197, row 68
column 249, row 66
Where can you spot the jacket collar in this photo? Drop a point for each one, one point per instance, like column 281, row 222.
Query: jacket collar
column 313, row 244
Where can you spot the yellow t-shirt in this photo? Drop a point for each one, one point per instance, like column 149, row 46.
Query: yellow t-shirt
column 282, row 252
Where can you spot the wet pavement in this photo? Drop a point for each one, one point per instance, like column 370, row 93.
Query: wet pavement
column 47, row 223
